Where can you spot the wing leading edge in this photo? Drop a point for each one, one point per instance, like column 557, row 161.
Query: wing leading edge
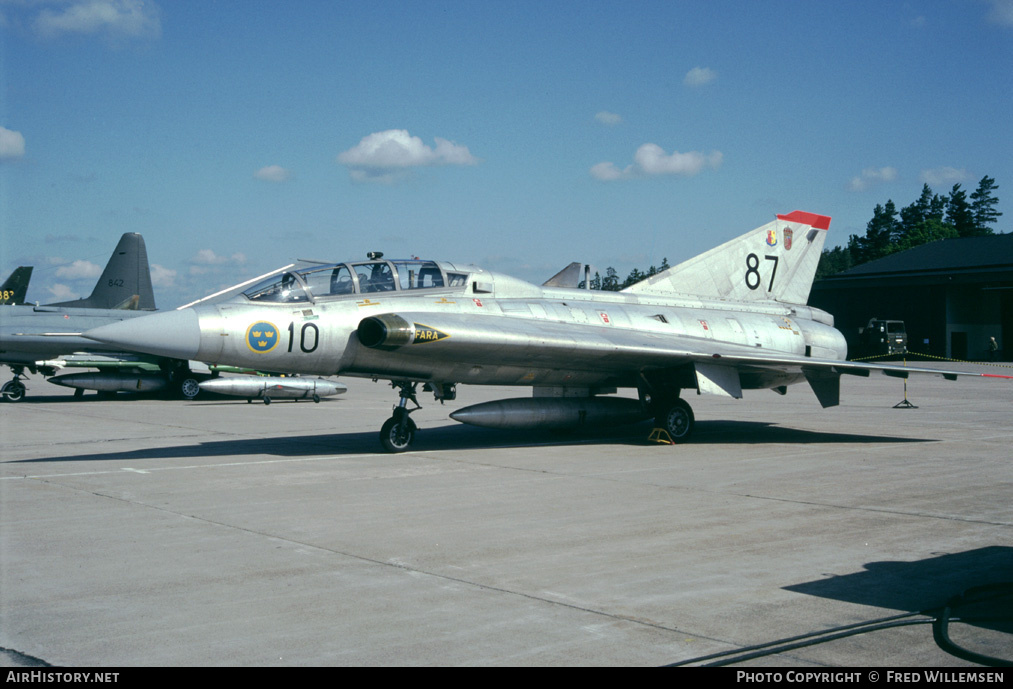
column 823, row 375
column 610, row 354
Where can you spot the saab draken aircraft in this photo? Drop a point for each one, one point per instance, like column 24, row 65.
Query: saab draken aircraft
column 47, row 338
column 731, row 319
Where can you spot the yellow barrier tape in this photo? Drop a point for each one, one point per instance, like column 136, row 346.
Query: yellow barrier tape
column 929, row 356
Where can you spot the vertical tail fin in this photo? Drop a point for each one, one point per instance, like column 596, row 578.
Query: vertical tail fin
column 774, row 262
column 571, row 276
column 126, row 276
column 15, row 288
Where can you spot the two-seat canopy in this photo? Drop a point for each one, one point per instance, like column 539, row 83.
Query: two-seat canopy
column 341, row 279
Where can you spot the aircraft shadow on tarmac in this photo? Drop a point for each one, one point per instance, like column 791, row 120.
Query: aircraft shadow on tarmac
column 974, row 587
column 915, row 586
column 459, row 437
column 970, row 592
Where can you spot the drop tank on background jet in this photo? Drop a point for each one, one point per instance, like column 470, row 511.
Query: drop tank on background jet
column 268, row 388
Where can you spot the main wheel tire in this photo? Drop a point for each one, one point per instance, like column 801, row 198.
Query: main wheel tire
column 393, row 438
column 677, row 419
column 189, row 388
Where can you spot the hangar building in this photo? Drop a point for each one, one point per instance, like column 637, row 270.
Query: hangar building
column 952, row 294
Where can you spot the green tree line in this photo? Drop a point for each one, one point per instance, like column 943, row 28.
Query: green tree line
column 930, row 218
column 612, row 283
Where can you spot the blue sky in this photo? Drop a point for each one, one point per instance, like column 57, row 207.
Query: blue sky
column 237, row 136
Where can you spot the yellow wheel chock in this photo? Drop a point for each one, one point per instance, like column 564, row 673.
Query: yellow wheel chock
column 660, row 435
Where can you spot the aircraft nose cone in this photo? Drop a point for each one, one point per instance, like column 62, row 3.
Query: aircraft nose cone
column 173, row 334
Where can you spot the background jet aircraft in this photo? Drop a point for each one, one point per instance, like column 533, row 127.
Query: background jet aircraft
column 573, row 275
column 15, row 287
column 733, row 318
column 126, row 281
column 39, row 338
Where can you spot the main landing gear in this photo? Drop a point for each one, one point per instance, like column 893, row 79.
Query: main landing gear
column 182, row 382
column 676, row 417
column 671, row 413
column 398, row 432
column 14, row 390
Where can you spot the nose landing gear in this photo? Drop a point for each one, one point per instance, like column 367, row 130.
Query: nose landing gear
column 14, row 390
column 398, row 432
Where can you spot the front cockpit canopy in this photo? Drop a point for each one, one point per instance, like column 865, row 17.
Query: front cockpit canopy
column 340, row 279
column 281, row 289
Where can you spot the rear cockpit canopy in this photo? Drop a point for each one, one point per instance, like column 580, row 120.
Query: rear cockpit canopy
column 316, row 282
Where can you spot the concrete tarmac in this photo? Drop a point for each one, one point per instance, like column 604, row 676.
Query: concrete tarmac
column 146, row 532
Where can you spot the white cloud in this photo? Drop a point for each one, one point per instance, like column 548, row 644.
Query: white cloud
column 943, row 175
column 208, row 257
column 62, row 292
column 12, row 144
column 381, row 156
column 112, row 18
column 699, row 76
column 206, row 262
column 1001, row 12
column 272, row 173
column 653, row 160
column 871, row 176
column 606, row 172
column 79, row 270
column 162, row 277
column 609, row 118
column 650, row 160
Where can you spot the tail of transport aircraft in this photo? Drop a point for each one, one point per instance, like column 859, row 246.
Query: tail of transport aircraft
column 15, row 288
column 774, row 262
column 125, row 282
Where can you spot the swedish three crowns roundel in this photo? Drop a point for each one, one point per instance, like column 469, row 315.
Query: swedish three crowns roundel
column 262, row 337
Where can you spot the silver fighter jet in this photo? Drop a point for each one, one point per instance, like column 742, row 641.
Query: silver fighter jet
column 733, row 318
column 43, row 339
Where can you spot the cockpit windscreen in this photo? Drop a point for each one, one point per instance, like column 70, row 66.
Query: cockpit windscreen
column 339, row 279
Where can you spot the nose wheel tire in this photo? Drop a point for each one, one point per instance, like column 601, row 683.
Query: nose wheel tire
column 396, row 437
column 14, row 391
column 677, row 419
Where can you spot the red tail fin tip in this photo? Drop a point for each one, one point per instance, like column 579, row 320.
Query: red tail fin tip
column 820, row 222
